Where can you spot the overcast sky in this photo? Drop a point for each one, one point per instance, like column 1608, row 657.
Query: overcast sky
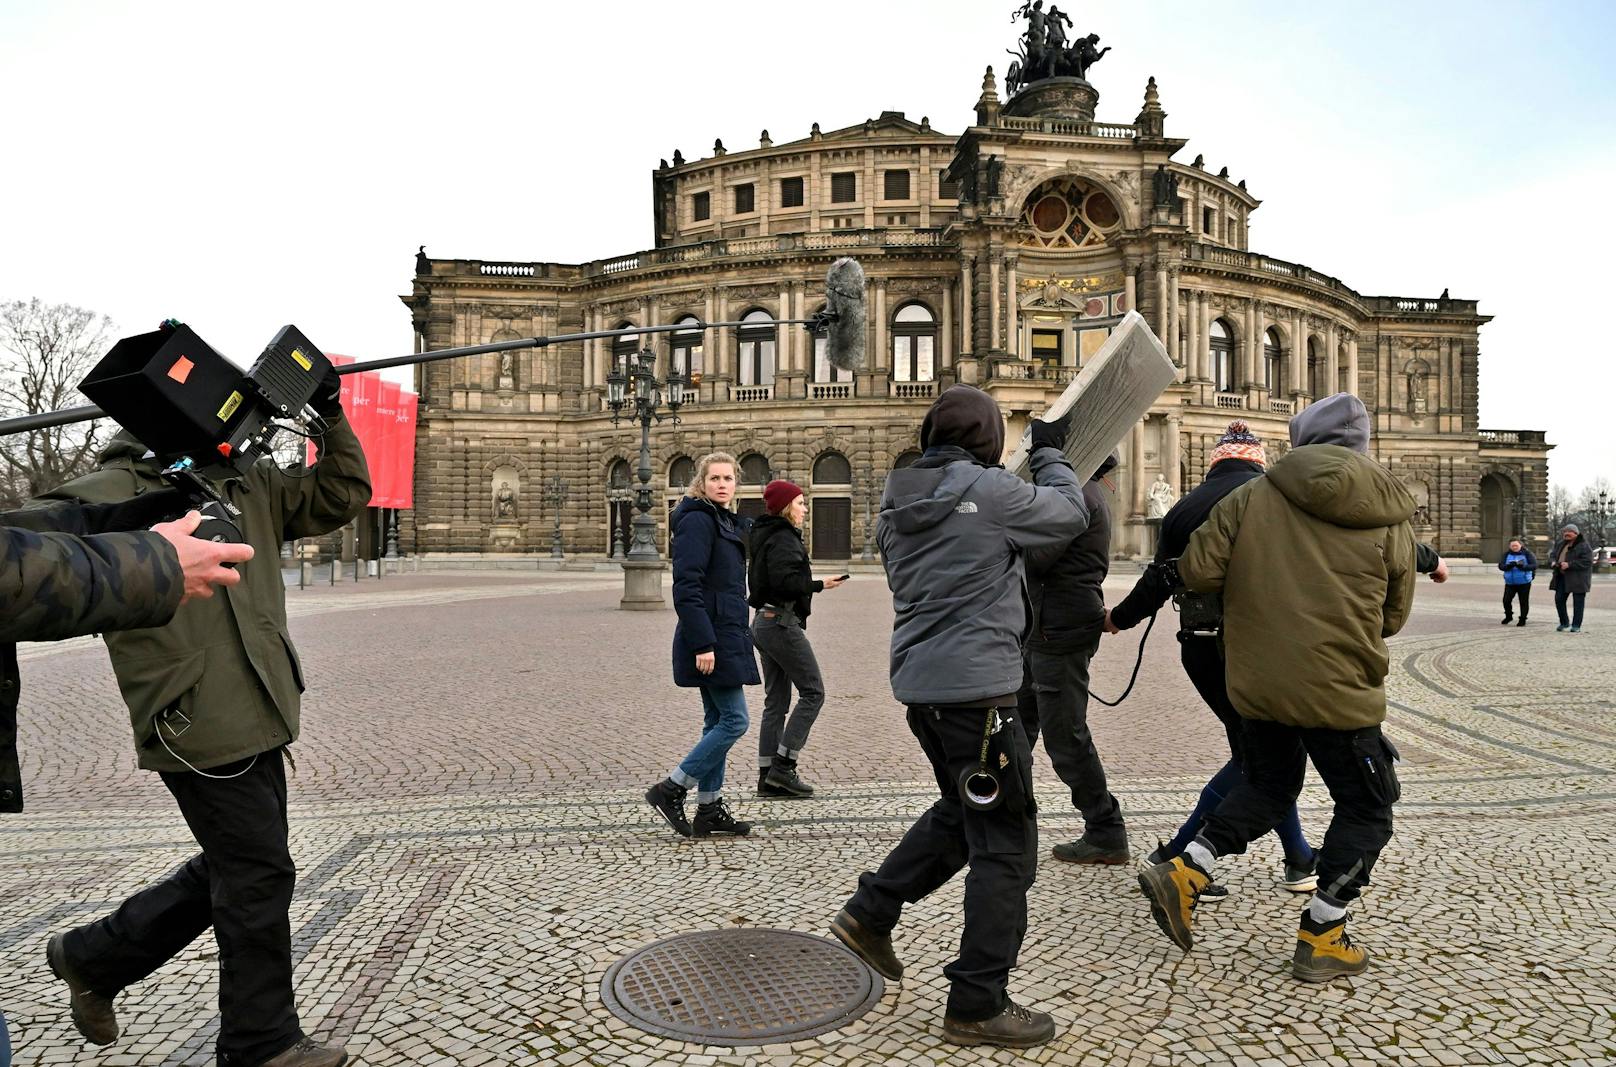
column 245, row 166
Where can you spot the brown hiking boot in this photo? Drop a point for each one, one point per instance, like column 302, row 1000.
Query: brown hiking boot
column 1324, row 951
column 307, row 1054
column 1014, row 1027
column 92, row 1013
column 1173, row 889
column 873, row 949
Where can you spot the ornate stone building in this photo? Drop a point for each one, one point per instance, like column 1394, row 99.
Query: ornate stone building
column 1000, row 257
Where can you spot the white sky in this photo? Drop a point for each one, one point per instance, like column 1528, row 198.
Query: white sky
column 245, row 166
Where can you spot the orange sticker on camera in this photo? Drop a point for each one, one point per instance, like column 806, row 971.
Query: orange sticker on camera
column 181, row 370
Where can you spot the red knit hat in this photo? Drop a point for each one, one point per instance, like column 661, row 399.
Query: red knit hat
column 1238, row 442
column 778, row 495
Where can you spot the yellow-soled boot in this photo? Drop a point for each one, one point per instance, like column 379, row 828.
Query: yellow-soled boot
column 1173, row 889
column 1324, row 951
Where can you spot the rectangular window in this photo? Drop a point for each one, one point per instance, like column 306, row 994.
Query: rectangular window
column 947, row 188
column 912, row 358
column 757, row 363
column 844, row 187
column 1046, row 347
column 743, row 199
column 896, row 185
column 701, row 207
column 824, row 370
column 1209, row 222
column 791, row 192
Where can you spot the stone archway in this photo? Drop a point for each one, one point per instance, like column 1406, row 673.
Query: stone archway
column 1498, row 495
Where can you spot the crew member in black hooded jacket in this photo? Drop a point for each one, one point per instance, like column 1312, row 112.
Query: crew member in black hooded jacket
column 782, row 587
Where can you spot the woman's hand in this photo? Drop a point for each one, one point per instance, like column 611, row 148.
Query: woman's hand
column 832, row 583
column 705, row 662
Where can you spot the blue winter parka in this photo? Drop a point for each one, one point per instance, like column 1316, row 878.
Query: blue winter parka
column 709, row 595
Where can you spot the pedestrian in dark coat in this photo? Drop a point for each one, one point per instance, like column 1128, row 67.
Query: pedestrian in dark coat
column 783, row 585
column 712, row 648
column 1519, row 567
column 1573, row 563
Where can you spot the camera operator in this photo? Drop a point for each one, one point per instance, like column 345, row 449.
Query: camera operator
column 952, row 531
column 214, row 700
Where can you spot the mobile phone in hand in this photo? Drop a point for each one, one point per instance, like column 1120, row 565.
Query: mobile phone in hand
column 844, row 577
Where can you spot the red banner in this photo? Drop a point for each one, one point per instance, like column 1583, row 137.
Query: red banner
column 382, row 415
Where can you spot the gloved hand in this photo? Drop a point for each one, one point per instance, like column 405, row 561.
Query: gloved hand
column 137, row 513
column 327, row 398
column 1050, row 434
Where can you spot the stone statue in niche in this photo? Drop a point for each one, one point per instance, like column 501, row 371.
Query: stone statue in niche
column 507, row 365
column 1422, row 502
column 504, row 501
column 1159, row 499
column 1419, row 375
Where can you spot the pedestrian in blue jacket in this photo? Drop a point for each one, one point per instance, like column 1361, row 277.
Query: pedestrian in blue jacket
column 1519, row 567
column 712, row 647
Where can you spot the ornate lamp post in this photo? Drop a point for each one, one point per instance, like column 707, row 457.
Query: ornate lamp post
column 555, row 495
column 614, row 497
column 632, row 389
column 1599, row 509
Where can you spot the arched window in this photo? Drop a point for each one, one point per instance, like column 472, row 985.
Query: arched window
column 623, row 348
column 757, row 336
column 755, row 471
column 824, row 370
column 687, row 348
column 905, row 459
column 1221, row 342
column 1273, row 361
column 619, row 476
column 914, row 341
column 681, row 472
column 1316, row 384
column 832, row 468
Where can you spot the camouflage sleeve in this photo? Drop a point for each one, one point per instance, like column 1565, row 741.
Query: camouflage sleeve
column 331, row 492
column 55, row 585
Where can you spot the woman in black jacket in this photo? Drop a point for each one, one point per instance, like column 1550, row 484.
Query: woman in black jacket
column 782, row 589
column 1573, row 564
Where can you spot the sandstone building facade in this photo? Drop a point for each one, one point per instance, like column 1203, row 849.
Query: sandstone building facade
column 999, row 257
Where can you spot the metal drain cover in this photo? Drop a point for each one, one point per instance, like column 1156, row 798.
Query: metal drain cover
column 745, row 986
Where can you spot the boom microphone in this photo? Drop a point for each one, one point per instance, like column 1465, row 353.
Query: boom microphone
column 844, row 314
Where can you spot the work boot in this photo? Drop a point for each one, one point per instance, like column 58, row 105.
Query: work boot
column 1301, row 877
column 1157, row 854
column 307, row 1054
column 667, row 799
column 1522, row 622
column 1507, row 620
column 873, row 949
column 1084, row 851
column 1173, row 889
column 1014, row 1027
column 92, row 1012
column 1324, row 951
column 714, row 818
column 782, row 776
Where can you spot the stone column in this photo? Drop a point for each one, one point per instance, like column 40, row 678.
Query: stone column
column 1136, row 458
column 883, row 347
column 945, row 358
column 804, row 342
column 1170, row 446
column 1253, row 348
column 722, row 355
column 1161, row 308
column 1174, row 347
column 1352, row 366
column 1331, row 363
column 785, row 337
column 588, row 348
column 1012, row 325
column 1130, row 283
column 993, row 293
column 1299, row 357
column 967, row 335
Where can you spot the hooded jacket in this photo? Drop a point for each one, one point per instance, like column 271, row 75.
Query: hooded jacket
column 1316, row 564
column 1063, row 581
column 777, row 570
column 952, row 532
column 709, row 596
column 1579, row 577
column 226, row 663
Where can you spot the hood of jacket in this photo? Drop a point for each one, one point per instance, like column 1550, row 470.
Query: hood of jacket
column 1340, row 419
column 1341, row 487
column 919, row 497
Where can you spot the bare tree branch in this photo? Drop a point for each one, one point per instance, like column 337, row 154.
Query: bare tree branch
column 45, row 351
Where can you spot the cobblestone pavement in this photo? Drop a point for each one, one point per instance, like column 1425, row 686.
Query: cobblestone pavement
column 474, row 852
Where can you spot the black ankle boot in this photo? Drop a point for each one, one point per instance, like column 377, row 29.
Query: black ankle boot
column 783, row 781
column 667, row 799
column 714, row 818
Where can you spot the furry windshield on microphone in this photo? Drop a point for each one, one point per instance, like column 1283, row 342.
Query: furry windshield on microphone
column 844, row 314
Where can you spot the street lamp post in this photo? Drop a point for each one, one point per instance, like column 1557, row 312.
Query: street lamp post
column 555, row 495
column 616, row 497
column 1599, row 510
column 632, row 389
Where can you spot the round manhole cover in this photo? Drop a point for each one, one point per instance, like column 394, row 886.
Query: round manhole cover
column 744, row 986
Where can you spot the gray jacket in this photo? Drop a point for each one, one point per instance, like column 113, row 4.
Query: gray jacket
column 951, row 534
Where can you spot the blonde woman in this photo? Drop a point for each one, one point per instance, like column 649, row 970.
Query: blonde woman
column 712, row 647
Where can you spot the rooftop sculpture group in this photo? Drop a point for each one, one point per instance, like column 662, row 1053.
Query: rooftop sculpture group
column 1045, row 51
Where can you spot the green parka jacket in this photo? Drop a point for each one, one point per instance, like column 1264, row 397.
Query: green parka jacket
column 1316, row 566
column 226, row 663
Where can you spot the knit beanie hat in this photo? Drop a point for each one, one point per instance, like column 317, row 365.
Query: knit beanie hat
column 968, row 418
column 778, row 495
column 1238, row 442
column 1571, row 527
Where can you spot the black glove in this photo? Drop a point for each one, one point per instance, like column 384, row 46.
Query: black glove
column 1050, row 434
column 327, row 398
column 137, row 513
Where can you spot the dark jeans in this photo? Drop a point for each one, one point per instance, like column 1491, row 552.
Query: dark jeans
column 1203, row 663
column 241, row 885
column 1055, row 699
column 1356, row 766
column 1577, row 602
column 787, row 660
column 1000, row 846
column 1524, row 593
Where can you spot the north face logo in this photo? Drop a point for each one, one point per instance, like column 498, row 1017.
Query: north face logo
column 966, row 508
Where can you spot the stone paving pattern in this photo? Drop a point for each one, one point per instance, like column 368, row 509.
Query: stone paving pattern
column 474, row 853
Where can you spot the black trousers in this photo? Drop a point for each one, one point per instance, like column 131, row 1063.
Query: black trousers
column 1203, row 664
column 787, row 660
column 999, row 846
column 241, row 885
column 1578, row 600
column 1356, row 766
column 1054, row 698
column 1511, row 592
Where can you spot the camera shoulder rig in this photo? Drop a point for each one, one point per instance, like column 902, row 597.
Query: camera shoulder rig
column 1199, row 614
